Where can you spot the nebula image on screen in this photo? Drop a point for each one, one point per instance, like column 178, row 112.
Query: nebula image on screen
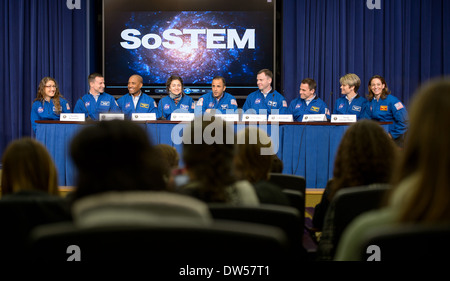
column 197, row 52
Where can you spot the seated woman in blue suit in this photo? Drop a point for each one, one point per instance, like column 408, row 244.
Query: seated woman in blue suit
column 176, row 100
column 351, row 102
column 49, row 102
column 384, row 107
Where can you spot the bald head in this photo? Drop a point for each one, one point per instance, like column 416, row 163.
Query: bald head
column 135, row 83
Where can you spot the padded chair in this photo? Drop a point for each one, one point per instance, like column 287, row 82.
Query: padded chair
column 225, row 241
column 347, row 204
column 291, row 183
column 286, row 218
column 296, row 200
column 410, row 242
column 19, row 215
column 285, row 181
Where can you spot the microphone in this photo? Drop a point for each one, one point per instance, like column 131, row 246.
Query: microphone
column 162, row 115
column 271, row 105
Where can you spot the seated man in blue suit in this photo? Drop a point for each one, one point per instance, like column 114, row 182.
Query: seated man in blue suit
column 217, row 101
column 265, row 99
column 96, row 101
column 135, row 101
column 308, row 102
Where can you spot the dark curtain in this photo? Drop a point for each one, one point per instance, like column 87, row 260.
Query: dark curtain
column 38, row 38
column 406, row 41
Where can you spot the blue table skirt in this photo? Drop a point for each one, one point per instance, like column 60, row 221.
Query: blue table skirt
column 306, row 150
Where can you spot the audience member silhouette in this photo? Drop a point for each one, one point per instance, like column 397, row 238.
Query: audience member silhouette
column 208, row 155
column 421, row 184
column 366, row 155
column 254, row 158
column 29, row 196
column 127, row 187
column 28, row 169
column 170, row 161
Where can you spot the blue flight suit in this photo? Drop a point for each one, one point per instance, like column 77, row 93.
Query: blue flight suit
column 145, row 104
column 46, row 111
column 298, row 108
column 208, row 101
column 358, row 107
column 167, row 106
column 91, row 108
column 390, row 109
column 256, row 103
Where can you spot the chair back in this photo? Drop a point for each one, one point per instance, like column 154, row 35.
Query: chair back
column 408, row 242
column 290, row 183
column 347, row 204
column 296, row 200
column 227, row 241
column 284, row 217
column 18, row 216
column 285, row 181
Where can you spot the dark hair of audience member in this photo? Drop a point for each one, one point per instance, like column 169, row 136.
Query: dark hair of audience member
column 169, row 157
column 210, row 164
column 27, row 165
column 277, row 165
column 426, row 155
column 251, row 164
column 366, row 155
column 115, row 156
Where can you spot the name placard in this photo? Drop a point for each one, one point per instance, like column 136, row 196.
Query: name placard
column 229, row 117
column 281, row 118
column 254, row 117
column 79, row 117
column 111, row 116
column 143, row 116
column 314, row 118
column 343, row 118
column 182, row 116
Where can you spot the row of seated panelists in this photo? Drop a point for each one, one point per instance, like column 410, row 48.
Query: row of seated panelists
column 284, row 217
column 223, row 240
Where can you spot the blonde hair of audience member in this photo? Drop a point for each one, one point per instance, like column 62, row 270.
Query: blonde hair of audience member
column 40, row 96
column 366, row 155
column 250, row 163
column 28, row 166
column 427, row 157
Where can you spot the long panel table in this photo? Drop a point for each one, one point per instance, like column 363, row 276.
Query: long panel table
column 306, row 149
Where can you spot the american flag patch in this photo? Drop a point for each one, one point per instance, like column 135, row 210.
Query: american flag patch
column 398, row 105
column 233, row 102
column 284, row 103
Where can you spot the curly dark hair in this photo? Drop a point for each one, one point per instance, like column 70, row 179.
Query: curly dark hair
column 366, row 155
